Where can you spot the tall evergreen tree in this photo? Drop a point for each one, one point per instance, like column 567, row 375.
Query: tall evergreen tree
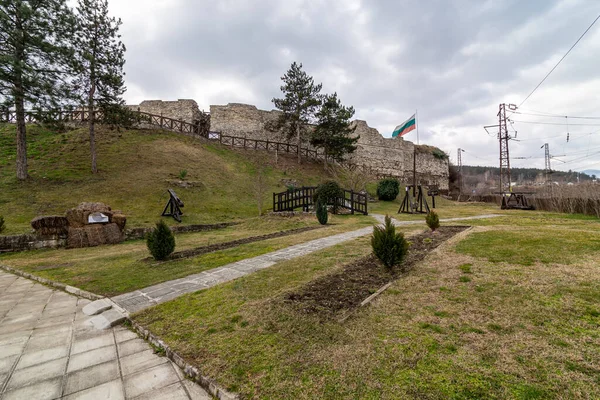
column 99, row 59
column 34, row 50
column 301, row 101
column 333, row 132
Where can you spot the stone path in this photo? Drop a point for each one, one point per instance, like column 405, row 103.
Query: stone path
column 153, row 295
column 49, row 350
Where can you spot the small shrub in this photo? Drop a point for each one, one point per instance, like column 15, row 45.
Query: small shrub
column 388, row 189
column 321, row 209
column 433, row 221
column 440, row 154
column 161, row 241
column 2, row 226
column 390, row 247
column 328, row 192
column 182, row 174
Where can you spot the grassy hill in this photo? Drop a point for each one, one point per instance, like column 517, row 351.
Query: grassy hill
column 136, row 168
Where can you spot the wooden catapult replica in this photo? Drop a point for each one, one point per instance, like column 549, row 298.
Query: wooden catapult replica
column 416, row 203
column 173, row 207
column 515, row 201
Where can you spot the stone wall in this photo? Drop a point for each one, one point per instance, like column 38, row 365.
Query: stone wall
column 31, row 242
column 383, row 156
column 182, row 109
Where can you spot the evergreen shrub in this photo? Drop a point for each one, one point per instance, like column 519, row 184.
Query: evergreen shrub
column 328, row 192
column 321, row 209
column 161, row 241
column 388, row 245
column 388, row 189
column 432, row 220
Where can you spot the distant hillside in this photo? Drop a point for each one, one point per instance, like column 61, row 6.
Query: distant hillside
column 136, row 169
column 528, row 174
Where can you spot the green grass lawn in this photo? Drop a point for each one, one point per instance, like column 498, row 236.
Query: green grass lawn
column 135, row 168
column 460, row 325
column 116, row 269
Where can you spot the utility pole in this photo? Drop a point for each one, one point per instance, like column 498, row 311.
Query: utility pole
column 460, row 171
column 547, row 160
column 503, row 138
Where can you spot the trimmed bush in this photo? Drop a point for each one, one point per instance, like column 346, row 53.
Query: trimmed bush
column 388, row 189
column 321, row 209
column 390, row 247
column 161, row 241
column 328, row 192
column 432, row 220
column 2, row 226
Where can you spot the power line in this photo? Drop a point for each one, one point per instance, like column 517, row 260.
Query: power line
column 559, row 61
column 540, row 114
column 554, row 123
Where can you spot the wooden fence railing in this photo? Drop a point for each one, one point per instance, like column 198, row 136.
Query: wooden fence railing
column 167, row 123
column 303, row 198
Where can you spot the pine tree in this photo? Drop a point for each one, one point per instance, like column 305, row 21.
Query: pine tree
column 334, row 131
column 98, row 62
column 299, row 105
column 34, row 53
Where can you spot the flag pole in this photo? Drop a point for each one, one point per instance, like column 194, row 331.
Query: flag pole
column 415, row 155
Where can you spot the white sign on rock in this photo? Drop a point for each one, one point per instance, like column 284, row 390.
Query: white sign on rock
column 97, row 218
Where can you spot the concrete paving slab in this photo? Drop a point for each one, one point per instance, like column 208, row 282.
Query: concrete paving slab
column 149, row 380
column 112, row 390
column 124, row 334
column 31, row 358
column 131, row 347
column 90, row 358
column 171, row 392
column 140, row 361
column 92, row 343
column 34, row 366
column 92, row 376
column 40, row 390
column 29, row 376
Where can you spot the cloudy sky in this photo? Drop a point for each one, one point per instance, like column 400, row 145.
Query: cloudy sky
column 454, row 61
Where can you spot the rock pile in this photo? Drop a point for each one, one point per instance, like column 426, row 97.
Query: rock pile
column 87, row 225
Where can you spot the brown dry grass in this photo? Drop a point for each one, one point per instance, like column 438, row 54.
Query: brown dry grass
column 456, row 326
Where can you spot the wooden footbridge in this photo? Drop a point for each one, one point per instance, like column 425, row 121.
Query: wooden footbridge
column 303, row 198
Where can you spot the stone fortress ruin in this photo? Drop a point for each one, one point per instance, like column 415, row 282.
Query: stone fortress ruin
column 384, row 157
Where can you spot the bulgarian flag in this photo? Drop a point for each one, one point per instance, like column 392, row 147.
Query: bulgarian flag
column 405, row 127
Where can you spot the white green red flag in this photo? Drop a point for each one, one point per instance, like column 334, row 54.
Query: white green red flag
column 405, row 127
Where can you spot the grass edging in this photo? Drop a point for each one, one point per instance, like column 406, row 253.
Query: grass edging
column 210, row 385
column 67, row 288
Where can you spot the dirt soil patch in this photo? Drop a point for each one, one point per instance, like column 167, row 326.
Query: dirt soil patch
column 346, row 289
column 234, row 243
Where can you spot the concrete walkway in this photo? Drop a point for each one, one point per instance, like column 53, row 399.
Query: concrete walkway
column 49, row 350
column 153, row 295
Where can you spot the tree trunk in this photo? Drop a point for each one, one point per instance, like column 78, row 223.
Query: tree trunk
column 19, row 94
column 91, row 124
column 299, row 143
column 21, row 135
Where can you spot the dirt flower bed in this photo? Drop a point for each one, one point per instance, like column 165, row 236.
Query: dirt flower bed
column 336, row 293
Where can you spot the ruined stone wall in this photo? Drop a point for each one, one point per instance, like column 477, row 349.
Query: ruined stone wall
column 182, row 109
column 383, row 156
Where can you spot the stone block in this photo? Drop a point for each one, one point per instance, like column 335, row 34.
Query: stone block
column 107, row 319
column 97, row 307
